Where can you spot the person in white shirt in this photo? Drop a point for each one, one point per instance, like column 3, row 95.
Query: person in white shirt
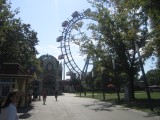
column 9, row 110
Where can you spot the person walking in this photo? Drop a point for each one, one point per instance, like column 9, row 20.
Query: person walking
column 44, row 95
column 9, row 110
column 56, row 94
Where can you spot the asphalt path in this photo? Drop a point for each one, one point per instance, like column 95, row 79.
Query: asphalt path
column 70, row 107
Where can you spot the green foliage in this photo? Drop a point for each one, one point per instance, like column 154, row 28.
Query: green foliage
column 153, row 77
column 151, row 8
column 122, row 24
column 98, row 83
column 17, row 39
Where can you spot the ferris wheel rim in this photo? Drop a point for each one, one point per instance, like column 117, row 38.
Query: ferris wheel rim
column 65, row 43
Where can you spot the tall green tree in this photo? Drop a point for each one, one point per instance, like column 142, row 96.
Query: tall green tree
column 121, row 28
column 17, row 39
column 151, row 8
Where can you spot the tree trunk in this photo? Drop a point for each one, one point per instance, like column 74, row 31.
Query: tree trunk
column 129, row 89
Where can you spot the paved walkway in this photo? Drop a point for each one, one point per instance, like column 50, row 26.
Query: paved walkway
column 70, row 107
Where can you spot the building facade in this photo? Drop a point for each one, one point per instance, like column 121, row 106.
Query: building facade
column 50, row 79
column 13, row 76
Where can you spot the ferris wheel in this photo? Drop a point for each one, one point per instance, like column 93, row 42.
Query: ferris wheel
column 66, row 40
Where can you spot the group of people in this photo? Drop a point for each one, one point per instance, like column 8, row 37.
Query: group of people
column 44, row 95
column 9, row 110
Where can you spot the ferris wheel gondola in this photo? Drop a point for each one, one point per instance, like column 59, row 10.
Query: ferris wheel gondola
column 65, row 40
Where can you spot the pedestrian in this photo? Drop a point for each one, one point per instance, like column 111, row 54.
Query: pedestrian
column 9, row 110
column 56, row 94
column 44, row 95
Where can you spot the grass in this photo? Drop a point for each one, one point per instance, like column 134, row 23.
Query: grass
column 140, row 103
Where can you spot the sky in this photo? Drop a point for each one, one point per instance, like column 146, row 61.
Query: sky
column 46, row 17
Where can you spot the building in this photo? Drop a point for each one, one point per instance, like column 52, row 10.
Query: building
column 12, row 76
column 52, row 74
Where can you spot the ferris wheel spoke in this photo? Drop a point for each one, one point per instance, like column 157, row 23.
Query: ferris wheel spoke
column 66, row 40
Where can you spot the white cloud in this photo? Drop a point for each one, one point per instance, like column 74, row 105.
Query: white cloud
column 50, row 49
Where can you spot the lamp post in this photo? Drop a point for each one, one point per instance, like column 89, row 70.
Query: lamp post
column 80, row 78
column 103, row 80
column 92, row 84
column 115, row 77
column 144, row 77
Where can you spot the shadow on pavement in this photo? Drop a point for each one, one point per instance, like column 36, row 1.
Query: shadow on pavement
column 99, row 106
column 24, row 116
column 23, row 112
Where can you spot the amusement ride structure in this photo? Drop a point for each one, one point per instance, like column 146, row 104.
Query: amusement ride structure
column 65, row 43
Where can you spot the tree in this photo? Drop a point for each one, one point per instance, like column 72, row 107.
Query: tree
column 121, row 28
column 151, row 8
column 17, row 40
column 153, row 77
